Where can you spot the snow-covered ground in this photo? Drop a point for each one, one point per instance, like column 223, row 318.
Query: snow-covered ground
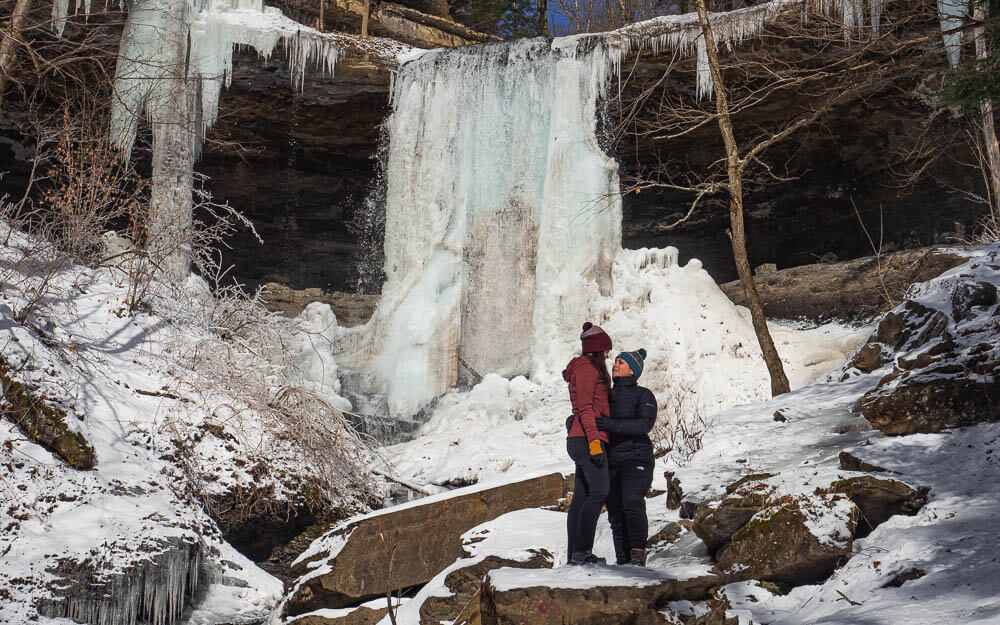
column 702, row 359
column 166, row 426
column 951, row 542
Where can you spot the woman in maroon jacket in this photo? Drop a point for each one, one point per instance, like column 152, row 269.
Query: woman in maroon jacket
column 589, row 385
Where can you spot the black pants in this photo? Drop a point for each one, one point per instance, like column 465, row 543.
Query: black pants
column 630, row 482
column 590, row 491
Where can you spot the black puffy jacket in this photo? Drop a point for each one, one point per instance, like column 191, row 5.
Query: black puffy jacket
column 633, row 413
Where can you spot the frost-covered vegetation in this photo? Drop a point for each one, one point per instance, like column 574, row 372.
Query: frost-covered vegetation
column 135, row 443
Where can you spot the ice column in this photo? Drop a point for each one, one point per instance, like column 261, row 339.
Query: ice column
column 502, row 214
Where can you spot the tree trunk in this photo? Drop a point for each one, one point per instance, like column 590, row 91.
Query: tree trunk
column 9, row 43
column 543, row 18
column 364, row 18
column 737, row 235
column 986, row 109
column 622, row 13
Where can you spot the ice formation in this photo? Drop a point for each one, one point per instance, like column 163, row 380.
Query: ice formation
column 502, row 214
column 503, row 218
column 155, row 592
column 952, row 18
column 191, row 42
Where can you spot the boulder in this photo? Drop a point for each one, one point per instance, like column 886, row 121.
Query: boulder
column 368, row 614
column 969, row 295
column 850, row 462
column 667, row 534
column 934, row 401
column 880, row 498
column 466, row 583
column 590, row 595
column 712, row 612
column 870, row 357
column 779, row 544
column 715, row 526
column 910, row 326
column 406, row 546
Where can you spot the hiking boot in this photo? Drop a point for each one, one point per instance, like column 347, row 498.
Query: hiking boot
column 638, row 557
column 585, row 557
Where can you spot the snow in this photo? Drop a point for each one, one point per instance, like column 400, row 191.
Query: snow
column 577, row 577
column 691, row 332
column 952, row 538
column 132, row 385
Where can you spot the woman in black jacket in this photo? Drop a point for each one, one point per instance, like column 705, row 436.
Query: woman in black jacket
column 630, row 457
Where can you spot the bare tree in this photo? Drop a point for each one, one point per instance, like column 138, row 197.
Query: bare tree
column 803, row 68
column 9, row 42
column 737, row 234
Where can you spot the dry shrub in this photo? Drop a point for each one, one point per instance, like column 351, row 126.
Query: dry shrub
column 680, row 423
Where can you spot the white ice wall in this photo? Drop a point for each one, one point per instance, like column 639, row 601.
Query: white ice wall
column 502, row 215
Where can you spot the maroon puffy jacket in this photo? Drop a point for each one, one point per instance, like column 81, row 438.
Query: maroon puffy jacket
column 589, row 395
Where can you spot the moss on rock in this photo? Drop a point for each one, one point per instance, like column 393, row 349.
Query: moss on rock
column 43, row 423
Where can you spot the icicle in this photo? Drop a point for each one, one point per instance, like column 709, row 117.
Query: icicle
column 952, row 17
column 60, row 10
column 705, row 83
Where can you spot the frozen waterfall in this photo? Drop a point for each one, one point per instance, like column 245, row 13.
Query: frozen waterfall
column 502, row 215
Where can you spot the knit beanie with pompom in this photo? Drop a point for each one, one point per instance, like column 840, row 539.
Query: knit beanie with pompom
column 636, row 360
column 594, row 339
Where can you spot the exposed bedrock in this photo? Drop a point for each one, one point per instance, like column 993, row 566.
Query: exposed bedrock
column 850, row 290
column 938, row 367
column 766, row 533
column 350, row 563
column 600, row 596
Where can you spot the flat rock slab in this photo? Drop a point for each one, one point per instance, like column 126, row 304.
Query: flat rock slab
column 586, row 595
column 368, row 614
column 407, row 545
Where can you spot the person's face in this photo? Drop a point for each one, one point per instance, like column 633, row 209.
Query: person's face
column 620, row 369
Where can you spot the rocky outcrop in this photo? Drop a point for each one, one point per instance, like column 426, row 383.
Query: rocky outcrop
column 944, row 362
column 369, row 614
column 585, row 596
column 406, row 546
column 781, row 545
column 43, row 423
column 157, row 588
column 933, row 405
column 716, row 526
column 879, row 498
column 351, row 309
column 855, row 289
column 465, row 584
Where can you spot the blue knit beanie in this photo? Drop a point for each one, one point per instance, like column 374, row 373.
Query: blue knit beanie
column 635, row 360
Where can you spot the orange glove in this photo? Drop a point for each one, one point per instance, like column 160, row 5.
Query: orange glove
column 595, row 447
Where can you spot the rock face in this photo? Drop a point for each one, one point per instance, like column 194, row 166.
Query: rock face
column 944, row 362
column 613, row 597
column 854, row 289
column 406, row 546
column 780, row 546
column 933, row 405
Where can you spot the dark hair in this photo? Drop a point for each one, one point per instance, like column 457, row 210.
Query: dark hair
column 597, row 359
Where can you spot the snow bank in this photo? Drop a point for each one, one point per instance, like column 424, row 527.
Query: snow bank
column 166, row 439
